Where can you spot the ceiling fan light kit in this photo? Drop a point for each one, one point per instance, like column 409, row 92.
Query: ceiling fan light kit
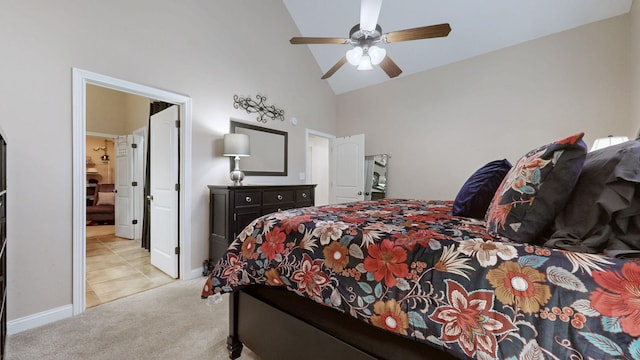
column 364, row 37
column 365, row 58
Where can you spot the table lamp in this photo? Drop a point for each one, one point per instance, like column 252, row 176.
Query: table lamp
column 236, row 145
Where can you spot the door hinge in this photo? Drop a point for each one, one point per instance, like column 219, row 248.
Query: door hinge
column 134, row 183
column 134, row 146
column 177, row 187
column 178, row 123
column 235, row 217
column 177, row 250
column 134, row 221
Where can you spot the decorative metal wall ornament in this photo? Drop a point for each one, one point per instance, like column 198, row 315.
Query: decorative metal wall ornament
column 252, row 106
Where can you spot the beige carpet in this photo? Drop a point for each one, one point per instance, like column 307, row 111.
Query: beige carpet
column 169, row 322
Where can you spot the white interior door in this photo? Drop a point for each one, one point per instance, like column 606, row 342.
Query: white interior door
column 163, row 143
column 348, row 160
column 123, row 187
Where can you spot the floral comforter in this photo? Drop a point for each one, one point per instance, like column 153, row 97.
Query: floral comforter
column 412, row 268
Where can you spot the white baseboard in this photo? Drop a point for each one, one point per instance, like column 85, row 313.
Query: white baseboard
column 39, row 319
column 62, row 312
column 195, row 273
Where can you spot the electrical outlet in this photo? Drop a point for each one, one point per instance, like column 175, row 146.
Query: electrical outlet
column 302, row 176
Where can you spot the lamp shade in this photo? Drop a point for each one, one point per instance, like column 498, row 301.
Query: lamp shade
column 365, row 63
column 236, row 145
column 354, row 55
column 610, row 140
column 376, row 54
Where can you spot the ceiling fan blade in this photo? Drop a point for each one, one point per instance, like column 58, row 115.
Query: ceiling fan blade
column 369, row 12
column 424, row 32
column 317, row 40
column 335, row 68
column 390, row 67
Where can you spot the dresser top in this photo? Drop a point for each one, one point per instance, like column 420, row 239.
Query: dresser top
column 255, row 186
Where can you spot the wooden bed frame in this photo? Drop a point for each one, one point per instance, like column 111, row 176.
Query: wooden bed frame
column 278, row 324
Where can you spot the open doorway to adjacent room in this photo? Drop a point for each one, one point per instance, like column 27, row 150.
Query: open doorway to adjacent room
column 117, row 264
column 112, row 132
column 318, row 162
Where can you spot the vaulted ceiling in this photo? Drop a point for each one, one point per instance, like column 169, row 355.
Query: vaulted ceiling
column 478, row 27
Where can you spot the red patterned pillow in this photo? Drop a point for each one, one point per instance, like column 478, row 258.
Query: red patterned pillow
column 535, row 190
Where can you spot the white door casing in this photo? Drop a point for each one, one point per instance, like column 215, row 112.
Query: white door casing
column 81, row 78
column 348, row 159
column 163, row 142
column 139, row 159
column 124, row 207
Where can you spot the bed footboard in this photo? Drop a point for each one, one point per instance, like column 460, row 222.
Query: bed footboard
column 277, row 331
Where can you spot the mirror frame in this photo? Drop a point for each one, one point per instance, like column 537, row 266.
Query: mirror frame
column 269, row 132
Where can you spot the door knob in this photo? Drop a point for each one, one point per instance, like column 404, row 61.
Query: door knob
column 150, row 197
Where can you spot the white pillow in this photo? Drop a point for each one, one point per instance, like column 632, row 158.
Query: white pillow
column 106, row 198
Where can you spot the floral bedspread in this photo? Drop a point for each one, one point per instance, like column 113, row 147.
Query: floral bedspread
column 412, row 268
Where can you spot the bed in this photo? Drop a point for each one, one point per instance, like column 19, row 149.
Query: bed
column 415, row 279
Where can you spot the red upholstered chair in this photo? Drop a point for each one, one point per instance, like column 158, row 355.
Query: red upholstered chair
column 103, row 208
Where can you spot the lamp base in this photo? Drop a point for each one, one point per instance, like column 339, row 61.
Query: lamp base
column 236, row 176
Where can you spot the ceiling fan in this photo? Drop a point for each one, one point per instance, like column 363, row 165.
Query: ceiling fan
column 365, row 36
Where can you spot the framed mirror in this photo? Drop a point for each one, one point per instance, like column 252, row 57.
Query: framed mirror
column 269, row 149
column 376, row 172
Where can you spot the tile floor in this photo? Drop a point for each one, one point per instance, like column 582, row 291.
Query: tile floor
column 117, row 267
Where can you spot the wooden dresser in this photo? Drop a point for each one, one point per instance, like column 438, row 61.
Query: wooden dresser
column 232, row 208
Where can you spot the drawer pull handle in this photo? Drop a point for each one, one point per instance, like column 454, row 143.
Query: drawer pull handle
column 279, row 197
column 247, row 199
column 304, row 195
column 279, row 209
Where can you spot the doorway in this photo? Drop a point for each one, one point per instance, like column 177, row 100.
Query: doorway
column 81, row 79
column 117, row 264
column 319, row 169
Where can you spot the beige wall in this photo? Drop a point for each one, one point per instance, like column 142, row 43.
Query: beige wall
column 106, row 111
column 137, row 113
column 207, row 50
column 115, row 112
column 441, row 125
column 634, row 16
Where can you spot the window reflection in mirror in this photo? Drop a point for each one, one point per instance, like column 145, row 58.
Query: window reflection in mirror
column 375, row 182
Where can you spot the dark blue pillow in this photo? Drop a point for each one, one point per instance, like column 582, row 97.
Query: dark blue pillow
column 475, row 196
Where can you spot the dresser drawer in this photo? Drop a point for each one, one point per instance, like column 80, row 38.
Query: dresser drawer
column 248, row 198
column 303, row 196
column 271, row 209
column 301, row 204
column 278, row 197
